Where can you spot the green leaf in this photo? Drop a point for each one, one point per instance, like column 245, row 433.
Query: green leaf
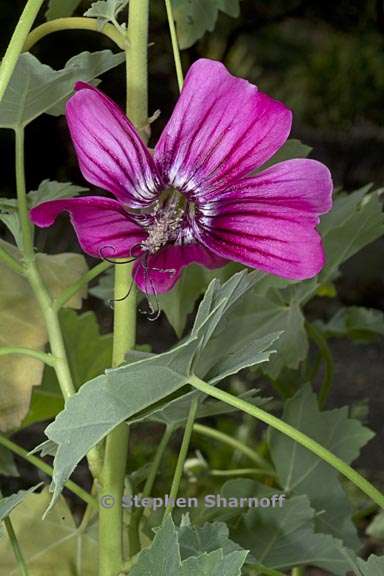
column 301, row 472
column 22, row 324
column 355, row 322
column 163, row 557
column 7, row 463
column 61, row 8
column 374, row 566
column 211, row 536
column 194, row 19
column 52, row 190
column 106, row 10
column 50, row 546
column 12, row 222
column 133, row 388
column 35, row 88
column 9, row 503
column 285, row 537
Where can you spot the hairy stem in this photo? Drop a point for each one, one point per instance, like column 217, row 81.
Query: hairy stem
column 46, row 468
column 74, row 23
column 294, row 434
column 182, row 455
column 16, row 44
column 111, row 520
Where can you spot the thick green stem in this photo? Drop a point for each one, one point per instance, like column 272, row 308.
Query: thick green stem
column 234, row 443
column 46, row 468
column 22, row 203
column 42, row 356
column 134, row 524
column 78, row 23
column 182, row 455
column 23, row 569
column 16, row 44
column 294, row 434
column 175, row 44
column 111, row 519
column 61, row 300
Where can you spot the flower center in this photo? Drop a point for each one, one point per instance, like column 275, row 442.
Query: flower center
column 166, row 218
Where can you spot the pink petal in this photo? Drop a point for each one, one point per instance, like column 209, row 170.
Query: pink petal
column 221, row 129
column 110, row 151
column 102, row 226
column 268, row 221
column 158, row 273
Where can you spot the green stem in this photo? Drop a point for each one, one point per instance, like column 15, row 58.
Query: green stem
column 10, row 261
column 326, row 354
column 134, row 524
column 234, row 443
column 78, row 23
column 23, row 569
column 61, row 300
column 42, row 356
column 298, row 571
column 175, row 44
column 16, row 44
column 295, row 435
column 241, row 472
column 111, row 519
column 40, row 291
column 182, row 455
column 46, row 468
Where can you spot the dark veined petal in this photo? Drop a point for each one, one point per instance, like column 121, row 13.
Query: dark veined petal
column 158, row 273
column 221, row 129
column 268, row 221
column 102, row 226
column 111, row 154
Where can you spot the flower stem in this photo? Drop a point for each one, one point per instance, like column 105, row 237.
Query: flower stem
column 74, row 23
column 134, row 524
column 61, row 300
column 111, row 519
column 240, row 472
column 295, row 435
column 234, row 443
column 10, row 261
column 42, row 356
column 23, row 569
column 326, row 355
column 175, row 44
column 182, row 455
column 46, row 468
column 16, row 44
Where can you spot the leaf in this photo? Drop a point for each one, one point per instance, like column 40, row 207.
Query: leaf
column 133, row 388
column 118, row 395
column 285, row 537
column 12, row 222
column 302, row 472
column 7, row 463
column 163, row 558
column 35, row 88
column 355, row 322
column 211, row 536
column 374, row 566
column 22, row 324
column 106, row 10
column 61, row 8
column 193, row 19
column 51, row 546
column 52, row 190
column 9, row 503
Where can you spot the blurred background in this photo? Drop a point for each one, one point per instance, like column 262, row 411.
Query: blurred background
column 325, row 61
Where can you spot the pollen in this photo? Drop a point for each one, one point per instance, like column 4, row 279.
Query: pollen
column 164, row 228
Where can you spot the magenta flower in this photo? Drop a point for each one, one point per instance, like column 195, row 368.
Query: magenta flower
column 197, row 198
